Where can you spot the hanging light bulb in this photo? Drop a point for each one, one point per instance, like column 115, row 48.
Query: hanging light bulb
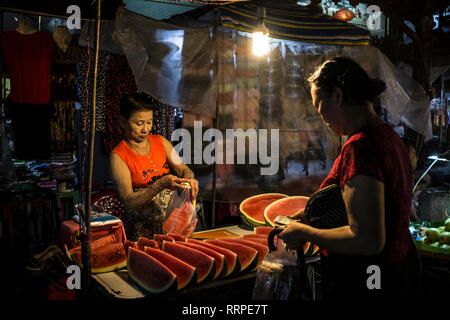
column 344, row 14
column 261, row 35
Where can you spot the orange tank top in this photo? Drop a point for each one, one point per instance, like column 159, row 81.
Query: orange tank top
column 148, row 168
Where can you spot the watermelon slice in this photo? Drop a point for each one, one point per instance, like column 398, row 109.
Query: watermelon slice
column 204, row 264
column 284, row 207
column 262, row 230
column 221, row 263
column 148, row 272
column 129, row 243
column 186, row 274
column 177, row 237
column 256, row 236
column 262, row 249
column 248, row 257
column 144, row 242
column 252, row 208
column 233, row 264
column 264, row 242
column 159, row 238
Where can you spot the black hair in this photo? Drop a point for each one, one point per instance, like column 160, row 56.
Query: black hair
column 130, row 104
column 356, row 85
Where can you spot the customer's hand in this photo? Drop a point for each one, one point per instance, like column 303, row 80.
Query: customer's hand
column 298, row 216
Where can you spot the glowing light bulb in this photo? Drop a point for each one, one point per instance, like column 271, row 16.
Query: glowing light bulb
column 260, row 43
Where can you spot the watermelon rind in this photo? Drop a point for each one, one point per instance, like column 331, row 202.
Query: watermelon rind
column 243, row 268
column 173, row 279
column 246, row 217
column 158, row 255
column 269, row 221
column 207, row 276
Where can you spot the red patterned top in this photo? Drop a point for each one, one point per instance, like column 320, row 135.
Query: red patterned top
column 380, row 153
column 148, row 168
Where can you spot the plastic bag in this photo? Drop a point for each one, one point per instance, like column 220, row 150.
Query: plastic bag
column 181, row 216
column 278, row 275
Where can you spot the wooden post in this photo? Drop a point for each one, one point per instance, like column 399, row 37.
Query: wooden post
column 86, row 239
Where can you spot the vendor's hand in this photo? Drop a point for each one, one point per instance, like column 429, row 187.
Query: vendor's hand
column 194, row 188
column 294, row 234
column 172, row 182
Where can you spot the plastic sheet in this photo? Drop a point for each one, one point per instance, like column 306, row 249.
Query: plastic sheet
column 185, row 67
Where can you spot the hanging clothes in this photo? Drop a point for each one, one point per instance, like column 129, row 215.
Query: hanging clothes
column 28, row 59
column 86, row 86
column 64, row 96
column 119, row 82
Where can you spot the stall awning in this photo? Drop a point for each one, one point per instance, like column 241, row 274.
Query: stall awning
column 289, row 21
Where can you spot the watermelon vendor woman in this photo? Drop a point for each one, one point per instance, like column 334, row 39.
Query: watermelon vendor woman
column 145, row 168
column 374, row 255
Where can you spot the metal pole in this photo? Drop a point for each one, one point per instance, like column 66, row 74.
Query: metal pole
column 215, row 123
column 86, row 243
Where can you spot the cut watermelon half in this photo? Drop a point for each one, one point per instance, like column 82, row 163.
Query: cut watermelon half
column 105, row 256
column 148, row 272
column 262, row 249
column 233, row 263
column 248, row 257
column 186, row 274
column 252, row 208
column 221, row 262
column 284, row 207
column 204, row 264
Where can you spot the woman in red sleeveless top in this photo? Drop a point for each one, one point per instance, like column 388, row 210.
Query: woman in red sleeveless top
column 374, row 255
column 145, row 168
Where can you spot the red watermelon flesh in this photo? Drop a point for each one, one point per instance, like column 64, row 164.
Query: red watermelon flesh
column 232, row 260
column 257, row 240
column 204, row 264
column 129, row 243
column 159, row 238
column 221, row 263
column 262, row 249
column 284, row 207
column 148, row 272
column 263, row 230
column 248, row 257
column 179, row 219
column 253, row 207
column 144, row 242
column 186, row 274
column 177, row 237
column 256, row 236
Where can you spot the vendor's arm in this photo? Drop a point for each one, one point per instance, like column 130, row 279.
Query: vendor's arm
column 179, row 167
column 364, row 235
column 133, row 200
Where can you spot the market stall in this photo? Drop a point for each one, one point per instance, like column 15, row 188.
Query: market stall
column 207, row 71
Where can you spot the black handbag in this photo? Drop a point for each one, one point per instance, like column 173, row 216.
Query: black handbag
column 326, row 209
